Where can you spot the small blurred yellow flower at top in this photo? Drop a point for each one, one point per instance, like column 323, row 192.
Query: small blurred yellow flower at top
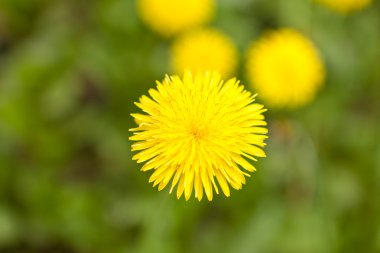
column 202, row 50
column 170, row 17
column 197, row 131
column 285, row 68
column 345, row 6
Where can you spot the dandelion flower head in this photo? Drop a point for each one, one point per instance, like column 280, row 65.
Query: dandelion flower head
column 198, row 132
column 202, row 50
column 345, row 6
column 285, row 68
column 170, row 17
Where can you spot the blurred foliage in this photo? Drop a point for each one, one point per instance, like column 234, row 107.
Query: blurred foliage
column 69, row 74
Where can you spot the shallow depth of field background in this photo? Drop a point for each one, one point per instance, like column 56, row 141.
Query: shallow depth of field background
column 69, row 74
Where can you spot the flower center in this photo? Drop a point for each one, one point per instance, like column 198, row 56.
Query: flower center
column 198, row 133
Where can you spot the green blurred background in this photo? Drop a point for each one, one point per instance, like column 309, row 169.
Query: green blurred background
column 70, row 71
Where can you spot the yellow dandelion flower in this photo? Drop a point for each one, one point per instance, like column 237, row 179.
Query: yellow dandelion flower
column 196, row 131
column 285, row 68
column 345, row 6
column 170, row 17
column 203, row 50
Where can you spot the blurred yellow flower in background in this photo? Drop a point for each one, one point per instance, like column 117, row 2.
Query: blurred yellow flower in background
column 197, row 129
column 202, row 50
column 285, row 68
column 170, row 17
column 345, row 6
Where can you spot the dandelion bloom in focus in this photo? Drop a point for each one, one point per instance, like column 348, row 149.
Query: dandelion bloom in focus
column 205, row 49
column 198, row 131
column 345, row 6
column 285, row 68
column 170, row 17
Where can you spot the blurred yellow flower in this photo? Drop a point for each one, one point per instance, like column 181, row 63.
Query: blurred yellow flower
column 170, row 17
column 197, row 130
column 285, row 68
column 345, row 6
column 202, row 50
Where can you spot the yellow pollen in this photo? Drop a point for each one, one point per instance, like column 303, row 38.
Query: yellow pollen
column 198, row 133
